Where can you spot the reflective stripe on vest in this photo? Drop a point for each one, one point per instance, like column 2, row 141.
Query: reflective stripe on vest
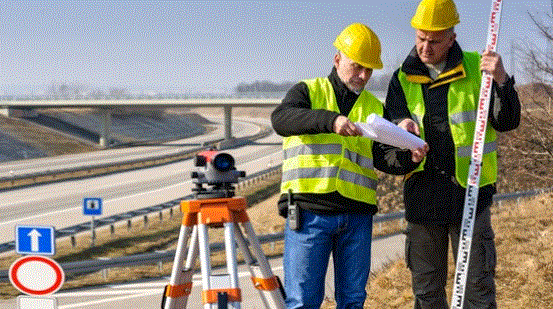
column 322, row 149
column 462, row 97
column 324, row 163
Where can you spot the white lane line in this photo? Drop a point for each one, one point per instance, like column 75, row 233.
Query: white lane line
column 101, row 293
column 37, row 199
column 106, row 202
column 148, row 284
column 112, row 200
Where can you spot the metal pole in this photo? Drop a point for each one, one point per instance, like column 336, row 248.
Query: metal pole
column 92, row 230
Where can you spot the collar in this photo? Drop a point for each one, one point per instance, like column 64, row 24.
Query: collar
column 417, row 72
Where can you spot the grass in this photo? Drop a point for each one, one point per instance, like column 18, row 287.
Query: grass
column 524, row 273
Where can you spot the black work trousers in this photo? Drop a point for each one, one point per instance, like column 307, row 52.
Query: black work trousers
column 426, row 254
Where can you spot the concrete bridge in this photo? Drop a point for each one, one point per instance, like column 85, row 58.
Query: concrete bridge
column 27, row 107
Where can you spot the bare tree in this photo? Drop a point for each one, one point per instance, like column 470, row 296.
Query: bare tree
column 530, row 147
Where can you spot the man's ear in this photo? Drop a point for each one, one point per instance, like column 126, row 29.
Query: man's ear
column 337, row 58
column 453, row 37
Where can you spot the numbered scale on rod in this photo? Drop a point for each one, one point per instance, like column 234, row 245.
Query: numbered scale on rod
column 475, row 169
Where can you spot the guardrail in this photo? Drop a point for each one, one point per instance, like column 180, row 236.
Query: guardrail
column 82, row 267
column 90, row 170
column 70, row 231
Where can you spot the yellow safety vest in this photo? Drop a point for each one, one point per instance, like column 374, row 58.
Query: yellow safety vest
column 328, row 162
column 462, row 98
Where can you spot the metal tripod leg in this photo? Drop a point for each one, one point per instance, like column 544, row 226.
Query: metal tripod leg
column 180, row 284
column 263, row 279
column 222, row 283
column 221, row 290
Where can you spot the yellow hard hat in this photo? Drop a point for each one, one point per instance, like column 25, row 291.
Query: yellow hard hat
column 435, row 15
column 360, row 44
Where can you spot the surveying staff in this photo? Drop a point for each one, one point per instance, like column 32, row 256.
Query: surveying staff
column 435, row 94
column 328, row 168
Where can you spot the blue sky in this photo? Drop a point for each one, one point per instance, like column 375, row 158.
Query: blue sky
column 211, row 46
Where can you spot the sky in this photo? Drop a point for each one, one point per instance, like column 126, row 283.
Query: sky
column 212, row 46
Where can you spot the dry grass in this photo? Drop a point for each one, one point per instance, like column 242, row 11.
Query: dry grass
column 524, row 235
column 524, row 277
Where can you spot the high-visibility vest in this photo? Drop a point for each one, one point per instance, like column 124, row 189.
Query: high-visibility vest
column 328, row 162
column 462, row 97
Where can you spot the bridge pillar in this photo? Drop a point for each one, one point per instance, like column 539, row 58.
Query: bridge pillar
column 105, row 129
column 228, row 121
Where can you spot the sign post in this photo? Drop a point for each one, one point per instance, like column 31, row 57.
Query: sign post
column 33, row 274
column 92, row 206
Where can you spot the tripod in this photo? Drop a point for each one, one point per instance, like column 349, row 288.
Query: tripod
column 219, row 291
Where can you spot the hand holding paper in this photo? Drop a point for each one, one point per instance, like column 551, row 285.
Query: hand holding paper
column 383, row 131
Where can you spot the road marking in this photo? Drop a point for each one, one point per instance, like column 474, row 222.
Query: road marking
column 103, row 292
column 112, row 200
column 80, row 207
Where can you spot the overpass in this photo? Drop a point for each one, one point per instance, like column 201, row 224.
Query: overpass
column 17, row 108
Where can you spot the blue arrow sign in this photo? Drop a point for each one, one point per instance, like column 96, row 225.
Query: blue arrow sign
column 35, row 240
column 92, row 206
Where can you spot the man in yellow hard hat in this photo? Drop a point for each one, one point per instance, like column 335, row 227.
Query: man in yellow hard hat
column 328, row 182
column 435, row 94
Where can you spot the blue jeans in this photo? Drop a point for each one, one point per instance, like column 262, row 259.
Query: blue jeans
column 307, row 252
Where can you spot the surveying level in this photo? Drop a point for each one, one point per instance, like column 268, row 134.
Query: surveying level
column 211, row 210
column 216, row 169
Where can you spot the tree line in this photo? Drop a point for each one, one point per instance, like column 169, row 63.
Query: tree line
column 376, row 83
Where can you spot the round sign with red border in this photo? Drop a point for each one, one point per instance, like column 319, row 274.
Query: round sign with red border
column 36, row 275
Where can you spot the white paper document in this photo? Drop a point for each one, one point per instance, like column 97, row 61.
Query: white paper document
column 385, row 132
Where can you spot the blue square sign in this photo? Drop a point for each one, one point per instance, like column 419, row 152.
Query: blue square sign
column 35, row 240
column 92, row 206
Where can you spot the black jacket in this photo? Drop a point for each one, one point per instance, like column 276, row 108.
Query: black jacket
column 294, row 116
column 434, row 195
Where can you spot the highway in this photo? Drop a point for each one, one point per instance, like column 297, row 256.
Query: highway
column 59, row 204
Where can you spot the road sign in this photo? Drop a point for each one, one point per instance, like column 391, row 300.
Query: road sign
column 36, row 275
column 35, row 240
column 28, row 302
column 92, row 206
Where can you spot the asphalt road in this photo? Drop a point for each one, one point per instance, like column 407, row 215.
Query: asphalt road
column 59, row 204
